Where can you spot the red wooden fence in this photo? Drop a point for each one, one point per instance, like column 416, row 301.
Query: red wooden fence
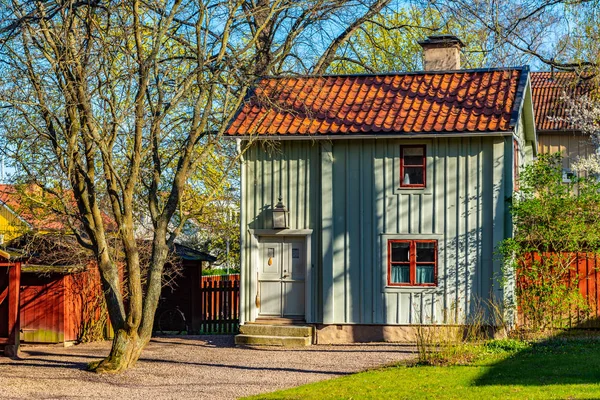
column 219, row 304
column 230, row 277
column 585, row 267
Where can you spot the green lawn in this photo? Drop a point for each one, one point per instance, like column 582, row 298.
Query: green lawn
column 555, row 369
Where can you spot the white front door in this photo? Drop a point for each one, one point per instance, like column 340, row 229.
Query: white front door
column 281, row 276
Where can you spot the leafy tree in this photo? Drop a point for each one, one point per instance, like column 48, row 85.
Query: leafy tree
column 389, row 41
column 115, row 105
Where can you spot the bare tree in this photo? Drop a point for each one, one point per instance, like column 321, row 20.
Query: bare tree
column 111, row 105
column 562, row 34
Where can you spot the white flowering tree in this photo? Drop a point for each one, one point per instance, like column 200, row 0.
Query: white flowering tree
column 583, row 114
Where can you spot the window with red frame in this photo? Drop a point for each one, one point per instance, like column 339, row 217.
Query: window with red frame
column 412, row 166
column 412, row 262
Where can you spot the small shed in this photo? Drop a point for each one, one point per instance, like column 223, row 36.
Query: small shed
column 61, row 295
column 183, row 292
column 61, row 304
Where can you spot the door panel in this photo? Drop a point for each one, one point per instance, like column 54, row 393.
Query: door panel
column 293, row 299
column 296, row 263
column 270, row 298
column 269, row 277
column 281, row 277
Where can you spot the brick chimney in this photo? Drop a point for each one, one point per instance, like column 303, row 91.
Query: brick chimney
column 441, row 52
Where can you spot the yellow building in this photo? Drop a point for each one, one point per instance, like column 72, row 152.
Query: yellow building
column 12, row 224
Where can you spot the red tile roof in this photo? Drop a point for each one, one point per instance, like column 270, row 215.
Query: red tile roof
column 424, row 102
column 548, row 90
column 20, row 200
column 33, row 215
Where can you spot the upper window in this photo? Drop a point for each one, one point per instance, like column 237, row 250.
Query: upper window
column 412, row 166
column 412, row 262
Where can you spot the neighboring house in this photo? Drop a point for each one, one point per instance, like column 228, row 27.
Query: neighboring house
column 555, row 134
column 397, row 187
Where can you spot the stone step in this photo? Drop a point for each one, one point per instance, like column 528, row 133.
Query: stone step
column 281, row 341
column 276, row 330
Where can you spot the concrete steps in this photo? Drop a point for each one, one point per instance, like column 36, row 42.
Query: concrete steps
column 274, row 335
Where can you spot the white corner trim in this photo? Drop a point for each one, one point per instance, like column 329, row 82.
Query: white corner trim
column 280, row 232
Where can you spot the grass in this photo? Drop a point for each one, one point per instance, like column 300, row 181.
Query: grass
column 507, row 369
column 209, row 272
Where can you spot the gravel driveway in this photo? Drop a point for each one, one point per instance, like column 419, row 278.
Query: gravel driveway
column 192, row 367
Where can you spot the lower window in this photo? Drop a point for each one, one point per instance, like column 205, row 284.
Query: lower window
column 412, row 262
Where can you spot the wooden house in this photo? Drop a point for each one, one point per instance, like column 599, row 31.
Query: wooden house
column 555, row 134
column 373, row 203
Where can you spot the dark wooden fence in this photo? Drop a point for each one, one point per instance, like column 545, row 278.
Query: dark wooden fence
column 219, row 304
column 585, row 271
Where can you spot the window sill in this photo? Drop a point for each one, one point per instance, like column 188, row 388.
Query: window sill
column 411, row 289
column 413, row 190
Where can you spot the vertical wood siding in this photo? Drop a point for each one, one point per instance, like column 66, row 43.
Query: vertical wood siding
column 348, row 192
column 42, row 309
column 286, row 169
column 569, row 145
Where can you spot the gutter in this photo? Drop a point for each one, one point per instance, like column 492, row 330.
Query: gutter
column 350, row 136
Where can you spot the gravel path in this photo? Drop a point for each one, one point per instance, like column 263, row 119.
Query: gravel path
column 193, row 367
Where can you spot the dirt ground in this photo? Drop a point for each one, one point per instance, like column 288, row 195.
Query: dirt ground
column 192, row 367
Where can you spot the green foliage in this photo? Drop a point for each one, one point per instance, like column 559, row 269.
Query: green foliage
column 553, row 221
column 505, row 346
column 209, row 272
column 390, row 42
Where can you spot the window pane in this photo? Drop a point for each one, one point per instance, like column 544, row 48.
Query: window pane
column 413, row 151
column 413, row 160
column 413, row 176
column 425, row 273
column 400, row 251
column 400, row 274
column 425, row 252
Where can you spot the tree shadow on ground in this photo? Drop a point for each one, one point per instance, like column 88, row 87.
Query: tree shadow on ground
column 196, row 340
column 567, row 358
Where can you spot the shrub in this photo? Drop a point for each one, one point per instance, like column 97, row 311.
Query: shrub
column 553, row 221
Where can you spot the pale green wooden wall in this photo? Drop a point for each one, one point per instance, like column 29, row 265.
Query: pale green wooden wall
column 347, row 191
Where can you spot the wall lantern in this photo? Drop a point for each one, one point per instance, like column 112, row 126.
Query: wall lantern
column 280, row 216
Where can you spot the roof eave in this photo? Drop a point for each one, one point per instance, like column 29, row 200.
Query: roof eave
column 419, row 135
column 519, row 97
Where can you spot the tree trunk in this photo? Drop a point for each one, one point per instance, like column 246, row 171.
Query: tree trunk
column 126, row 350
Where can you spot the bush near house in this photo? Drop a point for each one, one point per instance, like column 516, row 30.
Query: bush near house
column 555, row 221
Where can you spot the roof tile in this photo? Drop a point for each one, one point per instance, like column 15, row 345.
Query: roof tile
column 428, row 102
column 548, row 90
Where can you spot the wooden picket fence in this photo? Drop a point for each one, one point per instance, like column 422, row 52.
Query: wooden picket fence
column 219, row 304
column 585, row 267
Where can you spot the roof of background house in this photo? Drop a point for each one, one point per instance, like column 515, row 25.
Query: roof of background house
column 463, row 101
column 33, row 207
column 548, row 90
column 32, row 216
